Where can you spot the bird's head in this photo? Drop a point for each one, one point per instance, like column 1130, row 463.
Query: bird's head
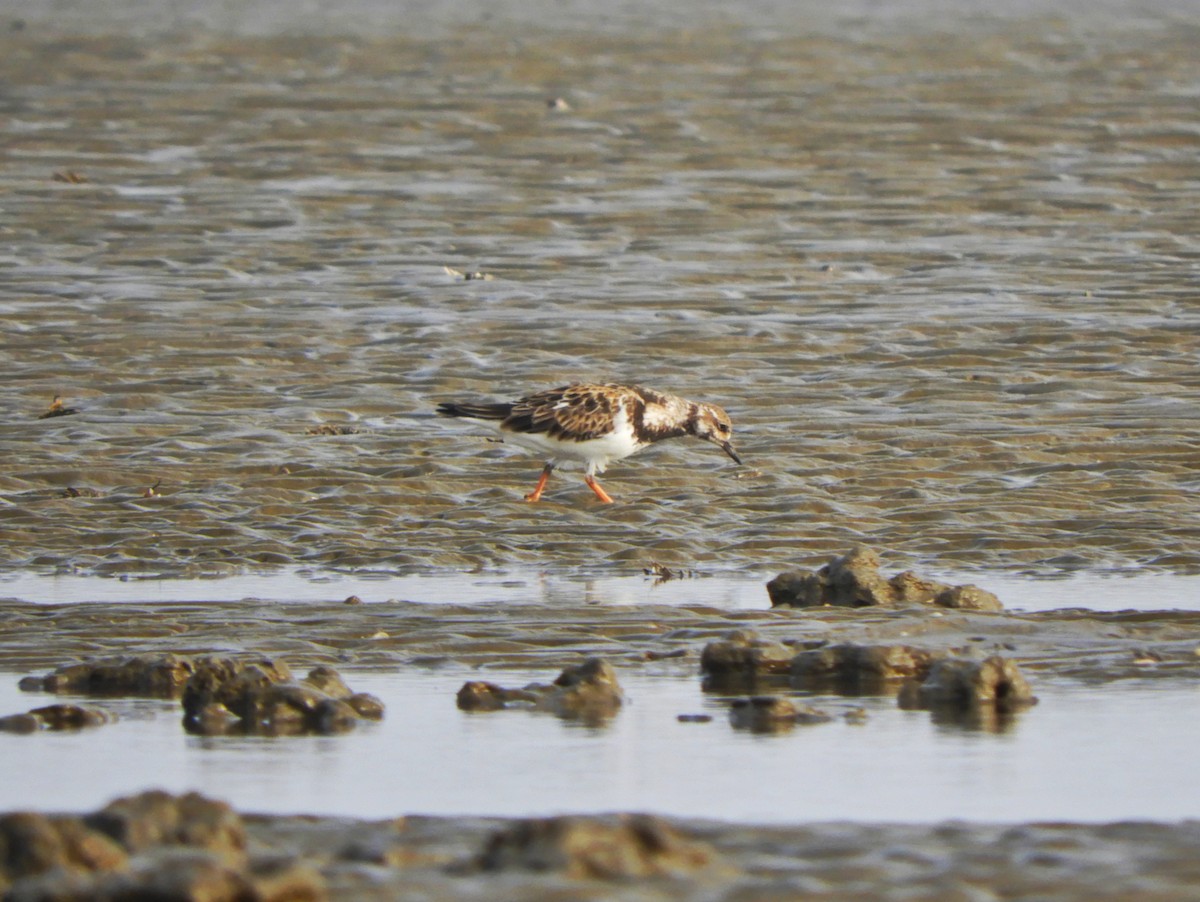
column 712, row 424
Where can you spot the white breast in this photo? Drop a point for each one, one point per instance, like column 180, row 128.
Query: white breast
column 595, row 452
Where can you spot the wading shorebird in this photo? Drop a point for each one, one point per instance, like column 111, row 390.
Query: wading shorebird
column 596, row 424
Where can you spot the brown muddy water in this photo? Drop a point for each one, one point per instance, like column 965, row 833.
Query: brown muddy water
column 944, row 277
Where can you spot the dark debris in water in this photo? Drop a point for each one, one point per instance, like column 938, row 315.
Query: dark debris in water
column 58, row 408
column 662, row 573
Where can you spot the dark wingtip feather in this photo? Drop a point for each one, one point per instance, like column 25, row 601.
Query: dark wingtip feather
column 475, row 411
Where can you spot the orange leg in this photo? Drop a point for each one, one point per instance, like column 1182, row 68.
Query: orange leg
column 595, row 487
column 536, row 494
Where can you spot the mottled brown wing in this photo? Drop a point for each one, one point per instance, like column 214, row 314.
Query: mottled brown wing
column 578, row 412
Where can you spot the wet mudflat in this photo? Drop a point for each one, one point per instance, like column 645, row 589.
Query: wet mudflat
column 943, row 282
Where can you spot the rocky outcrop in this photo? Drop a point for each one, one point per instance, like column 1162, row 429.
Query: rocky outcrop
column 854, row 581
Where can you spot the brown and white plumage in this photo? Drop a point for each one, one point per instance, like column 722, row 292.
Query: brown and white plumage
column 597, row 424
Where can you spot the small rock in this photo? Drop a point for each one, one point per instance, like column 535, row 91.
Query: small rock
column 970, row 691
column 478, row 695
column 741, row 660
column 772, row 714
column 588, row 692
column 968, row 598
column 20, row 723
column 56, row 717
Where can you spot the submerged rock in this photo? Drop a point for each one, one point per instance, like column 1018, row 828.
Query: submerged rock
column 854, row 581
column 629, row 846
column 56, row 717
column 772, row 714
column 589, row 691
column 228, row 695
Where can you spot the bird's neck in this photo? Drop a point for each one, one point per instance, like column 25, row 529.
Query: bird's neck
column 667, row 417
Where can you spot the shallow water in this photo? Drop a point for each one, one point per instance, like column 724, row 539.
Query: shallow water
column 1146, row 591
column 1055, row 762
column 944, row 282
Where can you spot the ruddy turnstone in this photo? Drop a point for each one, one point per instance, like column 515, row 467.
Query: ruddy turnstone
column 597, row 424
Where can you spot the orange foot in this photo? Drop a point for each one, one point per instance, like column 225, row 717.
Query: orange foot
column 536, row 494
column 595, row 487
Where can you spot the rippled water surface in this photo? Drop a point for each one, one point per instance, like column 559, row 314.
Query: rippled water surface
column 945, row 283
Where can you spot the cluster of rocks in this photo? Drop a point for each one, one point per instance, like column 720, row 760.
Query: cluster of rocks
column 262, row 697
column 854, row 581
column 589, row 692
column 971, row 690
column 220, row 694
column 150, row 846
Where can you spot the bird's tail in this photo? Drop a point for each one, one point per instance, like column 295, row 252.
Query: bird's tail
column 475, row 411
